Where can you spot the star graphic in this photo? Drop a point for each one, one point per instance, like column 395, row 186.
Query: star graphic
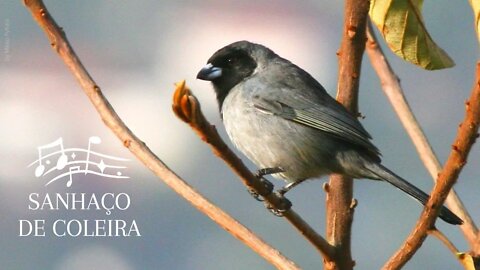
column 101, row 166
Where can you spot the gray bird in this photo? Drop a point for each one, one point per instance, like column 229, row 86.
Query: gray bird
column 284, row 121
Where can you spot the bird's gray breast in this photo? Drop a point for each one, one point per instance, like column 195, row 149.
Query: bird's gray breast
column 271, row 141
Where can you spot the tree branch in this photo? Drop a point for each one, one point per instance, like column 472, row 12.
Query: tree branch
column 476, row 247
column 393, row 90
column 444, row 239
column 339, row 199
column 187, row 108
column 466, row 136
column 61, row 45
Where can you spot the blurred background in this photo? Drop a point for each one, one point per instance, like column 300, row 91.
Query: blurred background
column 136, row 51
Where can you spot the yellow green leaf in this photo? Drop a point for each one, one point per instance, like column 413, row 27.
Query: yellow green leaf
column 476, row 11
column 402, row 26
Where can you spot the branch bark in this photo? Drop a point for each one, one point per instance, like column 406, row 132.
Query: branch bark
column 61, row 45
column 393, row 90
column 466, row 136
column 339, row 200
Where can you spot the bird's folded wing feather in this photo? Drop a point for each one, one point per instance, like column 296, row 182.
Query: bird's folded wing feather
column 329, row 118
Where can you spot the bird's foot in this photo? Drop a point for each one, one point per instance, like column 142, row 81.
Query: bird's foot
column 259, row 197
column 267, row 184
column 285, row 203
column 284, row 206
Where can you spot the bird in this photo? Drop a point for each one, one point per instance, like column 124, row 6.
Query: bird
column 286, row 123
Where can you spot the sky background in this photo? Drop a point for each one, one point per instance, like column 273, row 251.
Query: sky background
column 136, row 51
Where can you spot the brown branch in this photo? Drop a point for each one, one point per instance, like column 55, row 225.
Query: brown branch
column 393, row 90
column 476, row 246
column 444, row 239
column 339, row 199
column 61, row 45
column 466, row 136
column 187, row 108
column 469, row 260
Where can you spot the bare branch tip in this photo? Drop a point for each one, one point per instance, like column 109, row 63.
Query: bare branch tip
column 197, row 116
column 351, row 31
column 326, row 187
column 181, row 104
column 354, row 203
column 455, row 148
column 127, row 143
column 372, row 43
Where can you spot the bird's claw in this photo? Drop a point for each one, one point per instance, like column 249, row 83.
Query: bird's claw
column 268, row 187
column 255, row 195
column 284, row 207
column 276, row 212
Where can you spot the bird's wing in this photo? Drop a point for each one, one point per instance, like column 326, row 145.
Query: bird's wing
column 324, row 115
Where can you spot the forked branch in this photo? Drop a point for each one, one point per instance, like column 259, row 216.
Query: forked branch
column 61, row 45
column 340, row 203
column 466, row 136
column 394, row 92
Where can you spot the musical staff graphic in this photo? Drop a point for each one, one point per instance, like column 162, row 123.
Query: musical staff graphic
column 82, row 162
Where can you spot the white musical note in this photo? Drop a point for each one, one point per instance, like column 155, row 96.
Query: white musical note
column 70, row 170
column 91, row 140
column 61, row 162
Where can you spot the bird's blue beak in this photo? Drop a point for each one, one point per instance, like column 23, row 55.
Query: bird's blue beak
column 209, row 73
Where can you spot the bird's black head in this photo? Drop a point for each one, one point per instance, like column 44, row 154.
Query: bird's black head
column 229, row 66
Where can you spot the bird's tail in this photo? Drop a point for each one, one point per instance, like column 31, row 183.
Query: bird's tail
column 400, row 183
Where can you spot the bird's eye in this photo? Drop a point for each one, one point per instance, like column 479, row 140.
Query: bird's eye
column 232, row 60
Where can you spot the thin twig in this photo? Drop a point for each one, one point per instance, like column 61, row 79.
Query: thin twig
column 394, row 92
column 339, row 206
column 476, row 247
column 466, row 136
column 468, row 260
column 61, row 45
column 444, row 239
column 187, row 108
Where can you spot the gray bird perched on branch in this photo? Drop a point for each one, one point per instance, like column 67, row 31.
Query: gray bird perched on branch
column 283, row 120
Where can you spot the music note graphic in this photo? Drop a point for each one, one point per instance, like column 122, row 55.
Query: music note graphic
column 70, row 170
column 61, row 162
column 91, row 140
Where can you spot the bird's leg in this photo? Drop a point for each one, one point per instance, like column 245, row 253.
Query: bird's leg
column 289, row 186
column 287, row 204
column 267, row 171
column 268, row 185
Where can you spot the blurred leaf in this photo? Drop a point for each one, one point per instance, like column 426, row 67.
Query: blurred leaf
column 476, row 11
column 466, row 260
column 401, row 24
